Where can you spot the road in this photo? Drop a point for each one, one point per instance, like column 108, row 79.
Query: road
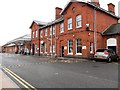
column 36, row 72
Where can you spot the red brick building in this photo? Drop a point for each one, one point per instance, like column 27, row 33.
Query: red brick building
column 77, row 31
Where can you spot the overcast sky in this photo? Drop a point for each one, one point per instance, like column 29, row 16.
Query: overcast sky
column 16, row 16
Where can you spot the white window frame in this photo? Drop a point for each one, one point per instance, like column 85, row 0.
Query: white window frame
column 54, row 30
column 69, row 23
column 61, row 27
column 53, row 48
column 69, row 47
column 46, row 32
column 50, row 48
column 41, row 46
column 45, row 47
column 76, row 48
column 78, row 20
column 36, row 33
column 41, row 33
column 51, row 30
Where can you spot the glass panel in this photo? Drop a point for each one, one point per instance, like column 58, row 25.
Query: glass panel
column 79, row 46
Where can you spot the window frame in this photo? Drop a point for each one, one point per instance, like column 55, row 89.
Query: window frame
column 50, row 48
column 36, row 33
column 53, row 48
column 45, row 47
column 61, row 27
column 69, row 24
column 71, row 53
column 78, row 20
column 46, row 32
column 54, row 30
column 41, row 33
column 51, row 30
column 41, row 47
column 80, row 45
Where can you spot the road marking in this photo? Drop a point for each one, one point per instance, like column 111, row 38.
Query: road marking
column 16, row 76
column 20, row 78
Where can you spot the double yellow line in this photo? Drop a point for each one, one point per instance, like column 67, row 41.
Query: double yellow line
column 19, row 79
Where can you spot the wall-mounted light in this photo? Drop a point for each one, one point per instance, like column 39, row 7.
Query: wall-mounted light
column 87, row 26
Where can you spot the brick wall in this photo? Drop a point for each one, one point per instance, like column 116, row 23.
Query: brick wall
column 103, row 20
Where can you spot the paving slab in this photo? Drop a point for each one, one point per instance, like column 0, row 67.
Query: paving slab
column 6, row 82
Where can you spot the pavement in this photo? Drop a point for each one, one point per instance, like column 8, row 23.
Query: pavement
column 6, row 82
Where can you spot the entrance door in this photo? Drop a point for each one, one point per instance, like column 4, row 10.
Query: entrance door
column 62, row 51
column 112, row 47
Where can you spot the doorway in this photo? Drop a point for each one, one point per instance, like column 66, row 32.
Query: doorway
column 112, row 44
column 62, row 51
column 112, row 47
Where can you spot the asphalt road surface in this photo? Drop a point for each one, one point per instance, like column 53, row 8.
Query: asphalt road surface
column 35, row 72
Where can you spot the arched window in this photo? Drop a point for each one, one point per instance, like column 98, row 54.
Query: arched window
column 112, row 42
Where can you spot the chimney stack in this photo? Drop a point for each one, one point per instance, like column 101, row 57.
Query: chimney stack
column 111, row 8
column 96, row 2
column 57, row 12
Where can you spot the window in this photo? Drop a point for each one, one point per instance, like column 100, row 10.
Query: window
column 46, row 32
column 61, row 27
column 36, row 33
column 36, row 48
column 51, row 30
column 50, row 48
column 78, row 21
column 54, row 30
column 41, row 33
column 78, row 46
column 91, row 47
column 69, row 23
column 33, row 34
column 70, row 47
column 54, row 48
column 45, row 47
column 41, row 48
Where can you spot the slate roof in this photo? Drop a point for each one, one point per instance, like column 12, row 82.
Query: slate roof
column 113, row 29
column 53, row 22
column 38, row 23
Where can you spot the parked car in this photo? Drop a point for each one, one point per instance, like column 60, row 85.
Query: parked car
column 106, row 54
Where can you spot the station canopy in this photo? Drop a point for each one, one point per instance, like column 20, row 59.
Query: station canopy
column 20, row 41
